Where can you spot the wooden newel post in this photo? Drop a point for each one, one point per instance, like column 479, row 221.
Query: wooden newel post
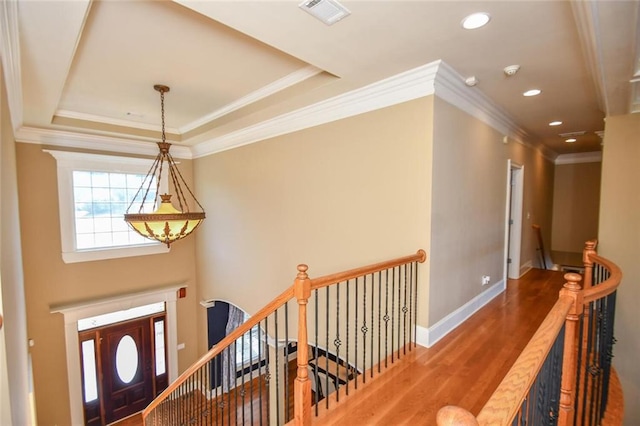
column 302, row 385
column 570, row 354
column 589, row 249
column 455, row 416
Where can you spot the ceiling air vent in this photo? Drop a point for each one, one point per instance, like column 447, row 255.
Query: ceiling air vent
column 328, row 11
column 572, row 134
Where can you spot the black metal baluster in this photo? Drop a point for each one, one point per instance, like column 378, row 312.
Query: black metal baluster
column 277, row 351
column 600, row 303
column 372, row 323
column 234, row 375
column 399, row 303
column 386, row 318
column 415, row 307
column 191, row 399
column 326, row 367
column 251, row 374
column 610, row 316
column 364, row 330
column 315, row 354
column 267, row 368
column 337, row 342
column 287, row 394
column 379, row 320
column 215, row 384
column 243, row 391
column 404, row 313
column 348, row 366
column 393, row 305
column 412, row 324
column 228, row 380
column 208, row 392
column 355, row 330
column 579, row 366
column 587, row 364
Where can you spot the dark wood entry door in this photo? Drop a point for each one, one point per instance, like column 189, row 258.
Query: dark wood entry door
column 126, row 354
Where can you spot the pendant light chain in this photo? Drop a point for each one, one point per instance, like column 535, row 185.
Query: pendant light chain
column 164, row 139
column 165, row 224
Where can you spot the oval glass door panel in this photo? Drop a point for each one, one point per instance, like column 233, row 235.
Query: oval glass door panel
column 127, row 359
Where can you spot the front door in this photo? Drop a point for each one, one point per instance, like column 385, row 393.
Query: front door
column 126, row 368
column 127, row 373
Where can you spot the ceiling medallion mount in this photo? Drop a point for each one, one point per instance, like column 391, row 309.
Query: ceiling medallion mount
column 163, row 222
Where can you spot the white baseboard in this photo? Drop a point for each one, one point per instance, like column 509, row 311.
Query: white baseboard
column 526, row 267
column 429, row 336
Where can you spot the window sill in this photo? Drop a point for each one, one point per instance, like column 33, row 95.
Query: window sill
column 112, row 253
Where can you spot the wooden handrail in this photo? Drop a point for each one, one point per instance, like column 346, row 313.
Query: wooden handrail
column 606, row 287
column 327, row 280
column 507, row 399
column 216, row 350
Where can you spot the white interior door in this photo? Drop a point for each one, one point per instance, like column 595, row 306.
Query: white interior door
column 513, row 226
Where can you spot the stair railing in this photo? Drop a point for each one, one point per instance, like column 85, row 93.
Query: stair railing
column 360, row 318
column 562, row 376
column 356, row 323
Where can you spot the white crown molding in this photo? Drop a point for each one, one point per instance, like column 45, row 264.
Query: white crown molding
column 434, row 78
column 281, row 84
column 582, row 157
column 10, row 53
column 409, row 85
column 268, row 90
column 74, row 115
column 450, row 86
column 61, row 138
column 585, row 13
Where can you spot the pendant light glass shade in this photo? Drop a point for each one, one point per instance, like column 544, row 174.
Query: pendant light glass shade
column 166, row 223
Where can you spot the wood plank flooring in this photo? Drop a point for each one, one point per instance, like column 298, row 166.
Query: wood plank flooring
column 463, row 369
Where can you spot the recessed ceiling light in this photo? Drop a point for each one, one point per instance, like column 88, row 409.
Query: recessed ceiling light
column 532, row 92
column 475, row 20
column 570, row 140
column 555, row 123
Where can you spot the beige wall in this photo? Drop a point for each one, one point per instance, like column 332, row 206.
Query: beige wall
column 14, row 388
column 49, row 281
column 335, row 196
column 576, row 203
column 360, row 190
column 469, row 205
column 619, row 240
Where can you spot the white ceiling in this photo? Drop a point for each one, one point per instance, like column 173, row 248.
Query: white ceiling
column 82, row 72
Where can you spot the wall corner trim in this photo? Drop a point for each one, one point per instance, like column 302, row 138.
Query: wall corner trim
column 430, row 336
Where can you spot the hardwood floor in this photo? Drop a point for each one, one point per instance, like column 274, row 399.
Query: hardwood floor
column 463, row 369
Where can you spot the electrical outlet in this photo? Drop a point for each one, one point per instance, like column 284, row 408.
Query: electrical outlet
column 486, row 279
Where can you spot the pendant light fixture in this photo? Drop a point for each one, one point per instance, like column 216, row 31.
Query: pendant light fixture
column 166, row 223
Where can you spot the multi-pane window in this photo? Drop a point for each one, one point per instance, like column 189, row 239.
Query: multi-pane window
column 100, row 202
column 94, row 193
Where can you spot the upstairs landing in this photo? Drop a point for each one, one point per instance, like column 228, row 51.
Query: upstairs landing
column 462, row 369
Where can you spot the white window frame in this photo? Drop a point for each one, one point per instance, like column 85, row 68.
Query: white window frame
column 67, row 163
